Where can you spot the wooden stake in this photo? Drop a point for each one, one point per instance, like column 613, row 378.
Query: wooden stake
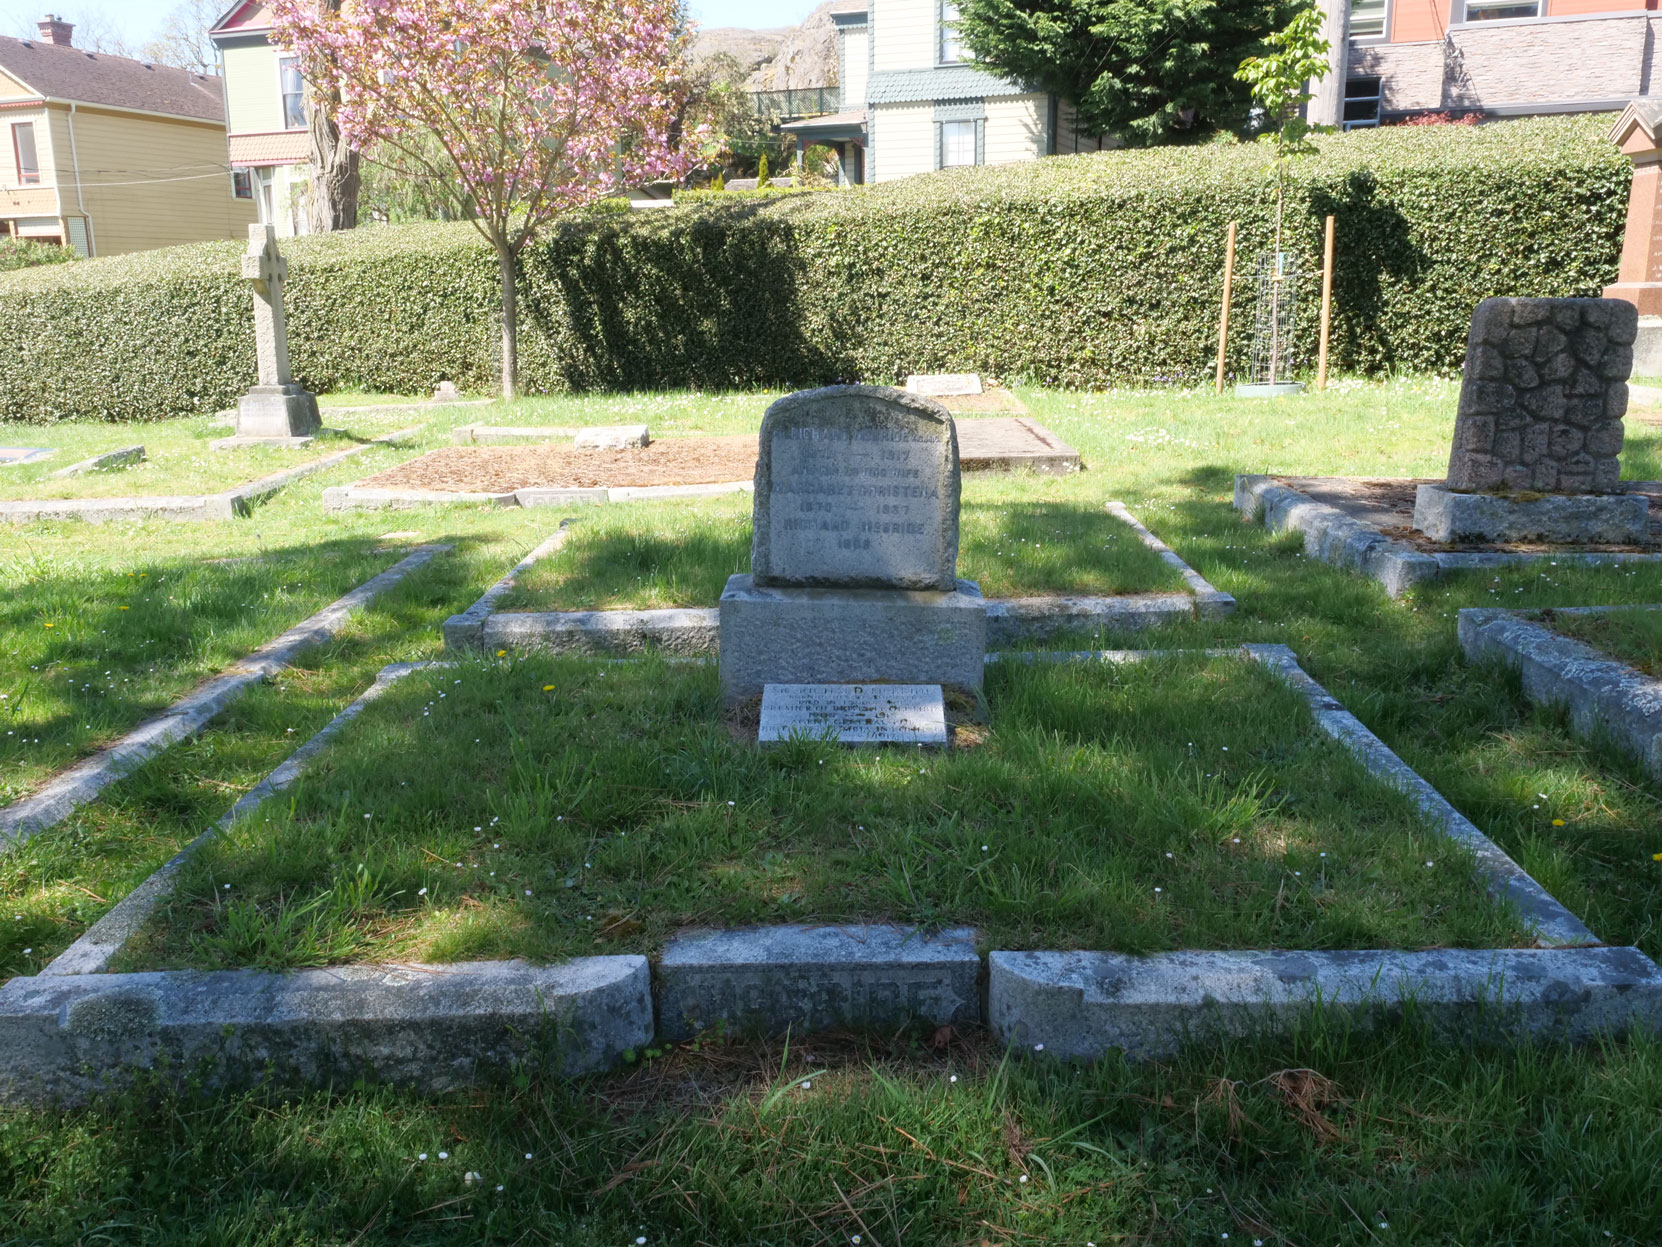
column 1223, row 316
column 1327, row 306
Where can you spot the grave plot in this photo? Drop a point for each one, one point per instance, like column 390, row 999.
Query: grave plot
column 1603, row 664
column 1533, row 473
column 170, row 470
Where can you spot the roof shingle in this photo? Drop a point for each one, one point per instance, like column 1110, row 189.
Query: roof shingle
column 67, row 73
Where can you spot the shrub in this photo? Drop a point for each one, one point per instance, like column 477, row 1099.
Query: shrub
column 1078, row 270
column 18, row 253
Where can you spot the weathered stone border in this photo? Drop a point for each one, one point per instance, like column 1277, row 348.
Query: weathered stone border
column 185, row 507
column 1600, row 693
column 1335, row 537
column 466, row 630
column 98, row 945
column 439, row 1027
column 72, row 1031
column 1553, row 924
column 694, row 631
column 1080, row 1005
column 118, row 458
column 83, row 782
column 358, row 498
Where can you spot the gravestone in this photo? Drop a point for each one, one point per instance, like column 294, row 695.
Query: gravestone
column 854, row 554
column 276, row 410
column 1540, row 413
column 944, row 384
column 1638, row 133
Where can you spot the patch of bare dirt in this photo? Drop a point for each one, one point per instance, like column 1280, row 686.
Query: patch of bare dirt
column 502, row 469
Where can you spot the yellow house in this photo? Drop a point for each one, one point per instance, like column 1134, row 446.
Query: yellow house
column 111, row 155
column 266, row 114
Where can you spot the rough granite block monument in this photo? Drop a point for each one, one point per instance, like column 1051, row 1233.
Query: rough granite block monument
column 854, row 555
column 1540, row 413
column 276, row 410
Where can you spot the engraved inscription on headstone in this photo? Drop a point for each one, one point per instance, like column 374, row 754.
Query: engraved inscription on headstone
column 886, row 714
column 857, row 487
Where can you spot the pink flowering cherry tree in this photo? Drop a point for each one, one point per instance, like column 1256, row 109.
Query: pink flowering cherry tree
column 525, row 107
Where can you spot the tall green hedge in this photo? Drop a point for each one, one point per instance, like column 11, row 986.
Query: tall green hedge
column 1082, row 270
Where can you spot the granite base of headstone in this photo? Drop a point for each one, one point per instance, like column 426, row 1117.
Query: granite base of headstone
column 854, row 554
column 1538, row 436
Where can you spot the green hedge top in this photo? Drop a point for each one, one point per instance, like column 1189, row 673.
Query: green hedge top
column 1081, row 270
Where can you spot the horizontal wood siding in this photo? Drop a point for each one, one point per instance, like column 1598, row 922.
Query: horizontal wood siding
column 903, row 140
column 1016, row 128
column 252, row 102
column 905, row 34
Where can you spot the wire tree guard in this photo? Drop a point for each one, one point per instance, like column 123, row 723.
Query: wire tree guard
column 1275, row 322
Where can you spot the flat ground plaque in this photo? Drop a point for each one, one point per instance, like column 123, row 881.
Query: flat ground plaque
column 859, row 714
column 10, row 455
column 937, row 384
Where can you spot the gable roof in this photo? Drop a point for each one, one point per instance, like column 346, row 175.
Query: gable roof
column 59, row 72
column 244, row 15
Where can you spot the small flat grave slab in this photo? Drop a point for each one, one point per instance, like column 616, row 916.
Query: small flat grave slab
column 10, row 456
column 1005, row 444
column 936, row 384
column 857, row 714
column 106, row 462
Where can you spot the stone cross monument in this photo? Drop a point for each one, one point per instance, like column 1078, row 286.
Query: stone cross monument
column 276, row 409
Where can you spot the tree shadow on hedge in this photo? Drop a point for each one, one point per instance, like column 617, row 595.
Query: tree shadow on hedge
column 1375, row 247
column 702, row 300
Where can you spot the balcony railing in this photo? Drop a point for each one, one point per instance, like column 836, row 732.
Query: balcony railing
column 801, row 102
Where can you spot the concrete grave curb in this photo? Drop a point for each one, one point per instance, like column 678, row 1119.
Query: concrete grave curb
column 98, row 945
column 73, row 1031
column 436, row 1027
column 183, row 507
column 1600, row 693
column 774, row 980
column 101, row 463
column 87, row 779
column 1553, row 924
column 1080, row 1005
column 694, row 631
column 1345, row 541
column 466, row 630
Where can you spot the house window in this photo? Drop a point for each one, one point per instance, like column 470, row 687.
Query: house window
column 242, row 184
column 23, row 147
column 1361, row 103
column 958, row 143
column 951, row 48
column 294, row 106
column 1499, row 10
column 1367, row 19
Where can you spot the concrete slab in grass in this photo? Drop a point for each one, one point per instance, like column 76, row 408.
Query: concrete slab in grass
column 434, row 1027
column 1600, row 693
column 769, row 980
column 357, row 498
column 1081, row 1005
column 683, row 631
column 106, row 462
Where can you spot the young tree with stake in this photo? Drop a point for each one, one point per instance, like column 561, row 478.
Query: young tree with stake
column 524, row 108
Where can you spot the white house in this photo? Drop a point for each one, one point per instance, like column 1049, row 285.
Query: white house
column 914, row 101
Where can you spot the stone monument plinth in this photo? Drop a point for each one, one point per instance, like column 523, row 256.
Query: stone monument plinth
column 1638, row 132
column 1539, row 431
column 854, row 556
column 276, row 411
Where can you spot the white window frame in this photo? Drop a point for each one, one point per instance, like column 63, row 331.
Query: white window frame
column 1384, row 35
column 945, row 29
column 30, row 177
column 243, row 189
column 960, row 129
column 1465, row 8
column 283, row 93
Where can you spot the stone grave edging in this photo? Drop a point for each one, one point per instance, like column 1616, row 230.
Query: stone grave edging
column 357, row 498
column 695, row 631
column 1345, row 541
column 69, row 1033
column 84, row 781
column 1601, row 693
column 225, row 505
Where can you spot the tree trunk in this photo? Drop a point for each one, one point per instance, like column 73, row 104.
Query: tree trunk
column 510, row 324
column 332, row 195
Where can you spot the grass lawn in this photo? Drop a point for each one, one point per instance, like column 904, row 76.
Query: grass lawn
column 1630, row 636
column 1013, row 540
column 1315, row 1141
column 1179, row 804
